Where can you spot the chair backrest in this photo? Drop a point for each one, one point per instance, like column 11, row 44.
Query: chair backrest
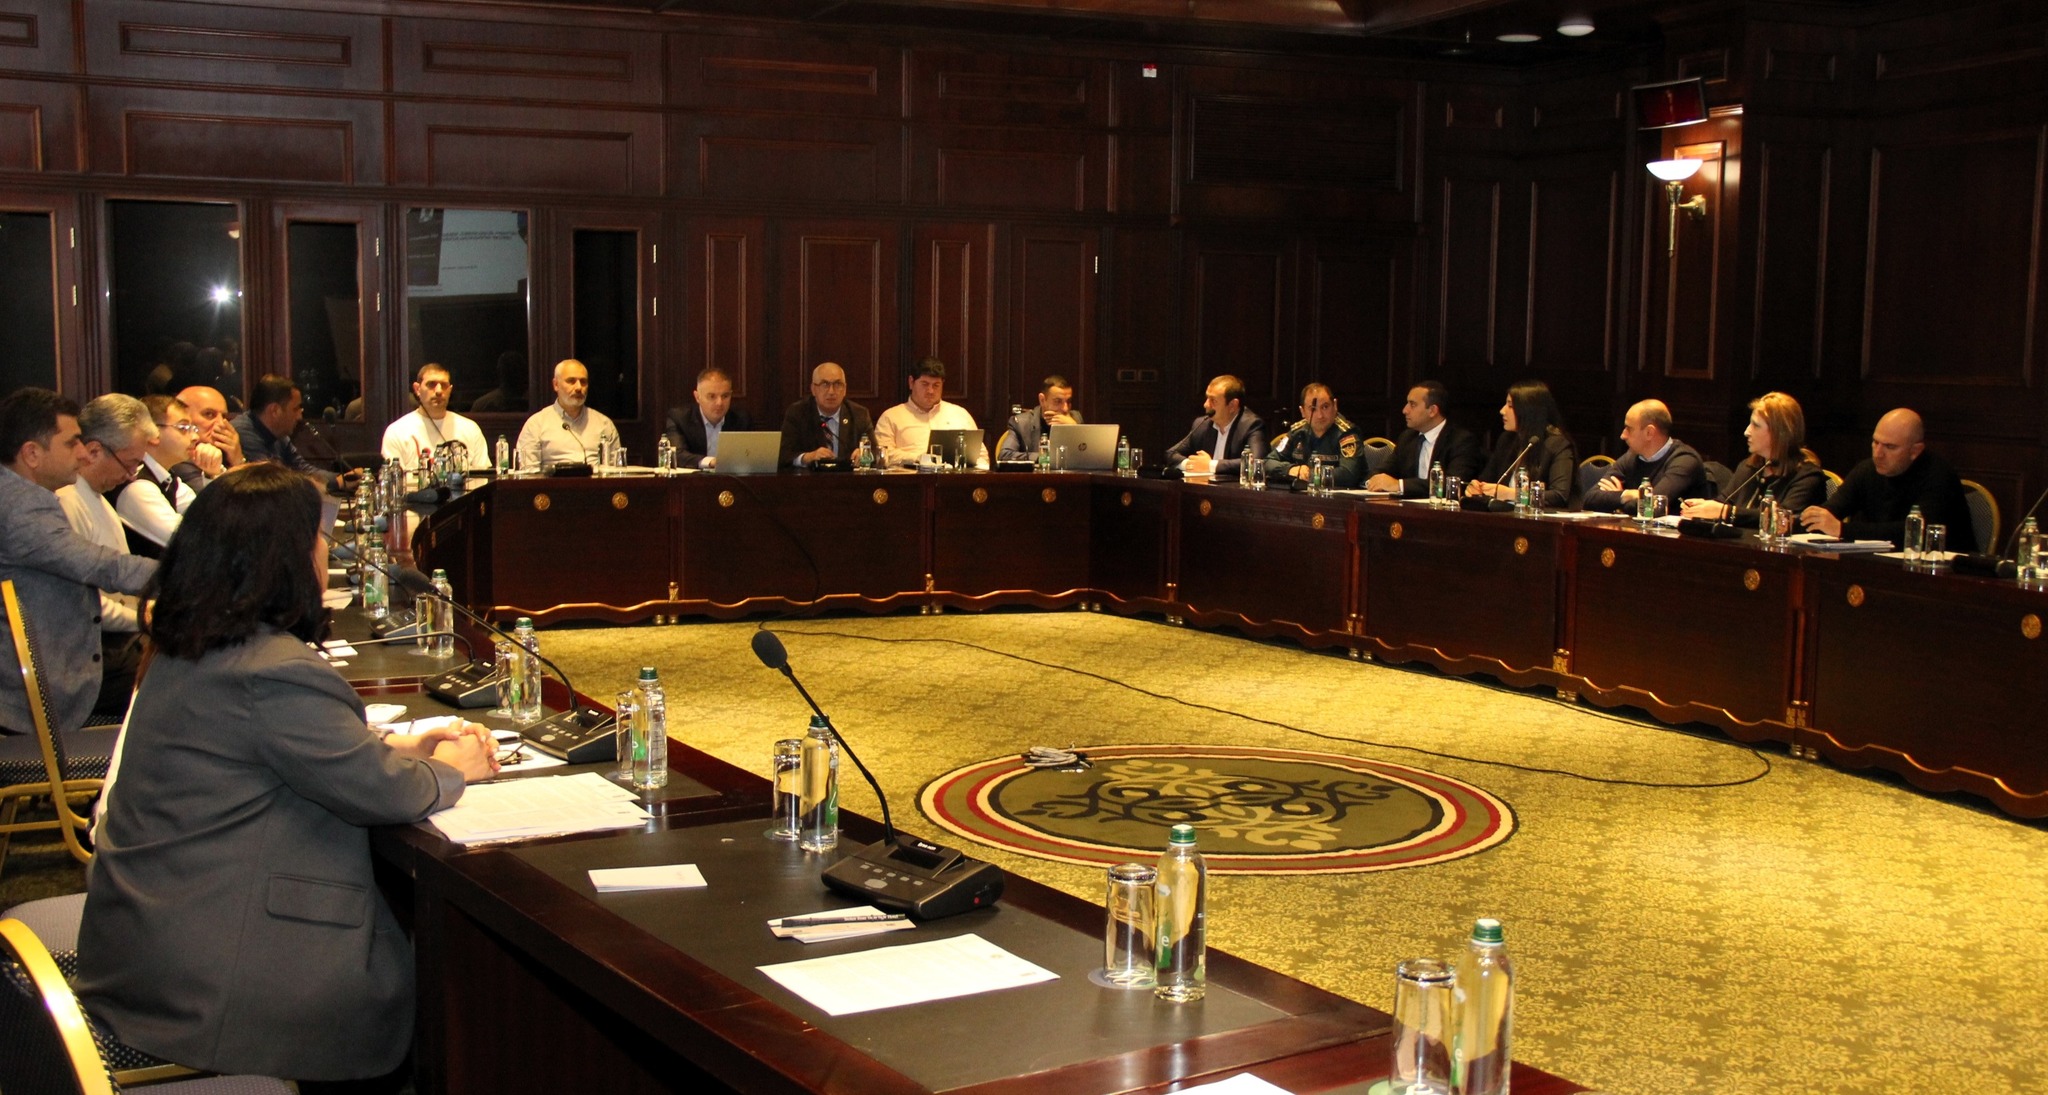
column 51, row 744
column 1722, row 476
column 1591, row 470
column 1379, row 452
column 1834, row 484
column 1984, row 518
column 56, row 1031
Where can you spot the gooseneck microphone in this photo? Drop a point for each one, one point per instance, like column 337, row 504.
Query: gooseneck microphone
column 768, row 647
column 898, row 874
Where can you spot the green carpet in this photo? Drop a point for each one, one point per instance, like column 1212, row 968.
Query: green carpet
column 1809, row 931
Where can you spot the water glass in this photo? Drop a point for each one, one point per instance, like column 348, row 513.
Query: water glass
column 619, row 463
column 785, row 767
column 1421, row 1062
column 1934, row 547
column 625, row 712
column 503, row 669
column 1137, row 459
column 1127, row 956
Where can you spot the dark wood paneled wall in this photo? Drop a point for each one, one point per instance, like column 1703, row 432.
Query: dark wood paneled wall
column 1874, row 183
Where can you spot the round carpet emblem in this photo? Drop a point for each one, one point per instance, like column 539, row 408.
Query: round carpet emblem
column 1258, row 810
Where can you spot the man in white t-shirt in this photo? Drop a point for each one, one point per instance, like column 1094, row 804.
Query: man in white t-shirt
column 432, row 425
column 904, row 431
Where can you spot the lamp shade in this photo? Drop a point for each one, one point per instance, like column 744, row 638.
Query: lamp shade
column 1673, row 170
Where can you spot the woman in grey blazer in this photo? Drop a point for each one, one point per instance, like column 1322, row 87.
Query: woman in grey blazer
column 231, row 923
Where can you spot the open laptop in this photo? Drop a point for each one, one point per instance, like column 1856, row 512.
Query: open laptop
column 748, row 452
column 956, row 446
column 1088, row 448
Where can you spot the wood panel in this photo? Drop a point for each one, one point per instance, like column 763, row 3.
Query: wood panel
column 1008, row 89
column 1489, row 605
column 784, row 75
column 36, row 36
column 1686, row 277
column 1266, row 563
column 235, row 135
column 1145, row 373
column 726, row 319
column 836, row 284
column 1132, row 540
column 1052, row 317
column 789, row 159
column 1468, row 272
column 775, row 542
column 1041, row 521
column 1927, row 316
column 1043, row 170
column 585, row 152
column 552, row 63
column 952, row 271
column 1239, row 314
column 207, row 45
column 1793, row 199
column 1573, row 218
column 1354, row 304
column 1298, row 144
column 38, row 126
column 625, row 528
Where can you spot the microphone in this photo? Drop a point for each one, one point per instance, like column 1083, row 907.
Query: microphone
column 2013, row 536
column 1486, row 503
column 1728, row 507
column 768, row 647
column 898, row 874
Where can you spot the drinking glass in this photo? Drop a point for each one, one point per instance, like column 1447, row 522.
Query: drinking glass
column 1934, row 548
column 507, row 661
column 1127, row 928
column 785, row 770
column 1421, row 1062
column 625, row 713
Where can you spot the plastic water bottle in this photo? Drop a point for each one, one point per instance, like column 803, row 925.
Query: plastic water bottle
column 1244, row 467
column 819, row 809
column 1916, row 534
column 528, row 707
column 376, row 583
column 665, row 454
column 1436, row 482
column 501, row 456
column 1646, row 502
column 1044, row 452
column 864, row 457
column 437, row 618
column 1767, row 518
column 2026, row 547
column 1123, row 455
column 1522, row 506
column 1180, row 908
column 650, row 734
column 1483, row 999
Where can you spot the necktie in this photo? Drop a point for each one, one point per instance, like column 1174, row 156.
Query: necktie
column 1422, row 458
column 825, row 433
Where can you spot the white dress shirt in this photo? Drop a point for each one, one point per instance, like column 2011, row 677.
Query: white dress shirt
column 904, row 433
column 1427, row 452
column 404, row 438
column 92, row 518
column 143, row 507
column 552, row 437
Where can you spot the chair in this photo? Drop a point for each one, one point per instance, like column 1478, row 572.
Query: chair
column 1834, row 484
column 1379, row 452
column 1984, row 519
column 1591, row 470
column 1722, row 476
column 54, row 1048
column 62, row 766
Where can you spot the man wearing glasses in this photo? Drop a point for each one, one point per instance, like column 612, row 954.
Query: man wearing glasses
column 151, row 504
column 114, row 432
column 825, row 426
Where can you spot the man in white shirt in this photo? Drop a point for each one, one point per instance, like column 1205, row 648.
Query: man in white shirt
column 904, row 431
column 566, row 431
column 153, row 502
column 1429, row 439
column 115, row 431
column 432, row 425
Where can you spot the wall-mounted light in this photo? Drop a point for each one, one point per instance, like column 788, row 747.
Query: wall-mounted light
column 1575, row 26
column 1674, row 173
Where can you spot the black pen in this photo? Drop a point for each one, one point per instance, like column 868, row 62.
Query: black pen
column 821, row 921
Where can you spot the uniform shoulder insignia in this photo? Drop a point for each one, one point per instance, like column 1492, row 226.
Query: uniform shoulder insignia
column 1348, row 444
column 1299, row 424
column 1344, row 423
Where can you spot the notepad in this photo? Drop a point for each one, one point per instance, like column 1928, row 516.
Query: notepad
column 671, row 876
column 892, row 977
column 522, row 809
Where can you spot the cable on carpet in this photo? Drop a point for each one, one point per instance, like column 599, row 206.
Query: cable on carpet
column 1168, row 698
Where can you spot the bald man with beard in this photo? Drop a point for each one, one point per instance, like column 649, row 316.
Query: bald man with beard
column 1873, row 501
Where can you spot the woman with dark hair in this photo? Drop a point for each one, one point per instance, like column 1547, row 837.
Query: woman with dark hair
column 1532, row 437
column 231, row 921
column 1778, row 463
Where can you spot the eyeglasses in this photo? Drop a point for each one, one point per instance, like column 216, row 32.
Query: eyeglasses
column 828, row 383
column 181, row 427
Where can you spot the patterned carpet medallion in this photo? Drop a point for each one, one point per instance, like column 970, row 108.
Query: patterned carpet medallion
column 1258, row 810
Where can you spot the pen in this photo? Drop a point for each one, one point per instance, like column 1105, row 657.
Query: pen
column 821, row 921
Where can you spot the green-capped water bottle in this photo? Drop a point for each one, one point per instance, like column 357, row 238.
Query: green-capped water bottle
column 1483, row 999
column 1180, row 908
column 819, row 825
column 650, row 733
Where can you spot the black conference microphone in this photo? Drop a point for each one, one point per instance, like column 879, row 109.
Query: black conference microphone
column 900, row 874
column 1486, row 503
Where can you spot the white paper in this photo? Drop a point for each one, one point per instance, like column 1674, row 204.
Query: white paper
column 338, row 649
column 1580, row 515
column 890, row 977
column 383, row 714
column 1946, row 556
column 1242, row 1084
column 551, row 805
column 824, row 932
column 1361, row 492
column 673, row 876
column 337, row 598
column 1814, row 540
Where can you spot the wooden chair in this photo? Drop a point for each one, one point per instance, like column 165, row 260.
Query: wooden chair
column 65, row 767
column 1984, row 518
column 53, row 1047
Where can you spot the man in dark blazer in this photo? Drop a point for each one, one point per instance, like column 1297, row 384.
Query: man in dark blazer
column 694, row 429
column 1217, row 440
column 825, row 426
column 1430, row 438
column 57, row 573
column 1055, row 408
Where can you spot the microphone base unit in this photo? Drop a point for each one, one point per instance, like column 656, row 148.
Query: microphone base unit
column 916, row 877
column 580, row 735
column 1710, row 530
column 465, row 686
column 398, row 625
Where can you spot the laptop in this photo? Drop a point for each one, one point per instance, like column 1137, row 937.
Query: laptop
column 953, row 445
column 749, row 452
column 1089, row 448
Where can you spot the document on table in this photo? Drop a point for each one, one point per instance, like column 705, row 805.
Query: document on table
column 521, row 809
column 1243, row 1083
column 672, row 876
column 1818, row 542
column 889, row 977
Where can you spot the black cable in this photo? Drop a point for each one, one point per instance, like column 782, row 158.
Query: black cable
column 1751, row 750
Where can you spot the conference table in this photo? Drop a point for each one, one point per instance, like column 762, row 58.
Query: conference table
column 1858, row 659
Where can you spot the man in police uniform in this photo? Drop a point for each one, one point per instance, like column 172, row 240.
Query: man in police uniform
column 1321, row 432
